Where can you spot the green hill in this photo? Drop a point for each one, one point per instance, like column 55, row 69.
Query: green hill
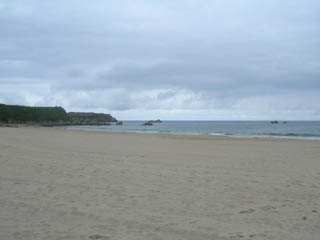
column 23, row 114
column 90, row 117
column 50, row 116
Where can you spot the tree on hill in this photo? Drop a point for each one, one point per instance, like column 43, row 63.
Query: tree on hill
column 22, row 114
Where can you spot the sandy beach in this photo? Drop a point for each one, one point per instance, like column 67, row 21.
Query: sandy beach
column 68, row 184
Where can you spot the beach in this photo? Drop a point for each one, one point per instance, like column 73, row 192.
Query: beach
column 72, row 184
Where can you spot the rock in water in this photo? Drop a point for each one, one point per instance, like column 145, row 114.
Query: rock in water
column 148, row 123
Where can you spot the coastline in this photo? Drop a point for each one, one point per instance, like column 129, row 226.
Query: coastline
column 236, row 136
column 238, row 129
column 74, row 184
column 195, row 135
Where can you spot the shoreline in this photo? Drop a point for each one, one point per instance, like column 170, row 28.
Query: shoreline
column 253, row 136
column 209, row 135
column 246, row 130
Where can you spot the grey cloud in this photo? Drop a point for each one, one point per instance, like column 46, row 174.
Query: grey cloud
column 125, row 55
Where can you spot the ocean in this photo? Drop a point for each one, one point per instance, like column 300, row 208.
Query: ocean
column 288, row 129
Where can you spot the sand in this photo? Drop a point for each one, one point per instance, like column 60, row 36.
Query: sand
column 67, row 184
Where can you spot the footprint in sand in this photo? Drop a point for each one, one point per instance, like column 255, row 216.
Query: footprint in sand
column 98, row 237
column 247, row 211
column 268, row 208
column 236, row 235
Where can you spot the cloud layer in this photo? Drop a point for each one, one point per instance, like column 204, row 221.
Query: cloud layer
column 139, row 59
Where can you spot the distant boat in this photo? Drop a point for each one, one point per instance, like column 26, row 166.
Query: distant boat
column 274, row 122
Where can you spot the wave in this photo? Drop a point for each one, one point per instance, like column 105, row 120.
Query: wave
column 276, row 135
column 316, row 135
column 247, row 130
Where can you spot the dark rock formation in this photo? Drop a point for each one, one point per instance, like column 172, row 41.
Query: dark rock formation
column 148, row 123
column 8, row 125
column 156, row 121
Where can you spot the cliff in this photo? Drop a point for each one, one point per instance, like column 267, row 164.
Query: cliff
column 83, row 117
column 23, row 114
column 50, row 116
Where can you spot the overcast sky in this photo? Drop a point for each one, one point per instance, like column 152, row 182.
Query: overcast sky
column 169, row 59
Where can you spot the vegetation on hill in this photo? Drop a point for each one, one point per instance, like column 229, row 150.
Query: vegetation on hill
column 23, row 114
column 89, row 117
column 50, row 116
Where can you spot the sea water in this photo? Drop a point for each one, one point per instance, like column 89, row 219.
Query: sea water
column 288, row 129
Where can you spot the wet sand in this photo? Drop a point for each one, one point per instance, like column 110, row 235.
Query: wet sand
column 67, row 184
